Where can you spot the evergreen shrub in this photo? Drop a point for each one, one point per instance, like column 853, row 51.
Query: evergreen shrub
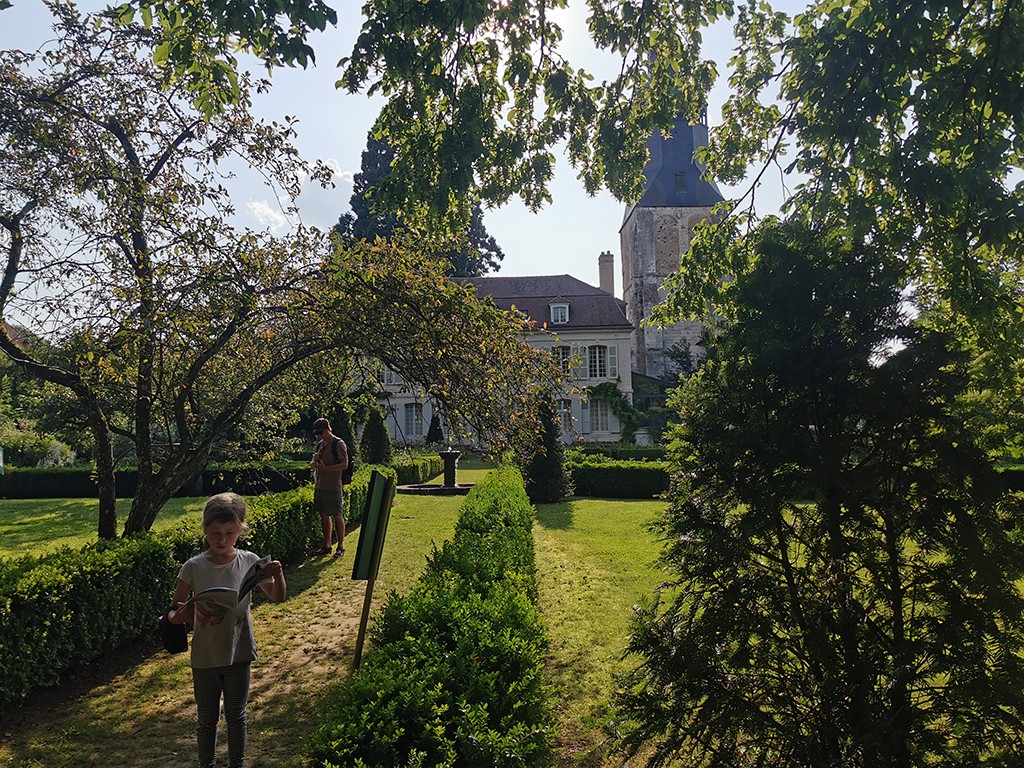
column 375, row 443
column 417, row 469
column 619, row 451
column 547, row 480
column 435, row 436
column 78, row 482
column 455, row 673
column 69, row 608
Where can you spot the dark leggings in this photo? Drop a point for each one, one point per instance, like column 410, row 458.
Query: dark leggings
column 209, row 684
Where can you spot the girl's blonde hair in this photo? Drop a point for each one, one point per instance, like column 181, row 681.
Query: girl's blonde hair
column 225, row 508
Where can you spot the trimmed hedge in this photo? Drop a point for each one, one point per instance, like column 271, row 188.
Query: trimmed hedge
column 77, row 482
column 71, row 607
column 454, row 677
column 607, row 479
column 417, row 469
column 621, row 452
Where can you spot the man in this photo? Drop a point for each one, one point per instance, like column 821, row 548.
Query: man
column 329, row 459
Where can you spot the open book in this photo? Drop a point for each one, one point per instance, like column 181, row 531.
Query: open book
column 253, row 577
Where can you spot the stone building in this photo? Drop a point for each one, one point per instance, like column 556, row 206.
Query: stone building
column 654, row 232
column 598, row 337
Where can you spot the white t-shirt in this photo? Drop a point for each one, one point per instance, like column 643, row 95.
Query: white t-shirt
column 222, row 633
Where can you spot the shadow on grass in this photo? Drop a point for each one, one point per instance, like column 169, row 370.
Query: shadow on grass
column 556, row 516
column 305, row 573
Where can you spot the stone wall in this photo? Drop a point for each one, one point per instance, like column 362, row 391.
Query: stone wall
column 651, row 241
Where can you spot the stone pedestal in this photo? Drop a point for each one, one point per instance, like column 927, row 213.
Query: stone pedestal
column 451, row 464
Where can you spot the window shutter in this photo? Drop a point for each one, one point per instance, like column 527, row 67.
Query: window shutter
column 580, row 362
column 585, row 417
column 613, row 361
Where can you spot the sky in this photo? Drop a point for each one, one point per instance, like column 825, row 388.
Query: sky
column 565, row 237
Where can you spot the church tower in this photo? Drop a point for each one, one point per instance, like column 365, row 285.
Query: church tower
column 654, row 232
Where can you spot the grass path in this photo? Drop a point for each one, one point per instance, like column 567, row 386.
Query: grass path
column 595, row 560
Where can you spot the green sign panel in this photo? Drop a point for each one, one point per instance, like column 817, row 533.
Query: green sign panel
column 374, row 527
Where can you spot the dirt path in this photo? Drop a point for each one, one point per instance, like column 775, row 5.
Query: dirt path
column 137, row 709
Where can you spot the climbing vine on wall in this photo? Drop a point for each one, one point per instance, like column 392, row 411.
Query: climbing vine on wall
column 629, row 417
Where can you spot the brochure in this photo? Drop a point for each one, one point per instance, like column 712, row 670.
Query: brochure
column 253, row 577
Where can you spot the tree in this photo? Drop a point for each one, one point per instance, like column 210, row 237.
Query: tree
column 846, row 561
column 904, row 120
column 434, row 434
column 117, row 246
column 23, row 442
column 375, row 445
column 473, row 253
column 905, row 117
column 545, row 473
column 477, row 95
column 167, row 323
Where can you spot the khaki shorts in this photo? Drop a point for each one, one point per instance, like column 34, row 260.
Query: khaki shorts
column 327, row 502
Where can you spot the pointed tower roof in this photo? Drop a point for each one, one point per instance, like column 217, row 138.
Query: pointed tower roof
column 673, row 179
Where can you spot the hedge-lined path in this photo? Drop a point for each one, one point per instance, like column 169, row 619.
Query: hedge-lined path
column 137, row 709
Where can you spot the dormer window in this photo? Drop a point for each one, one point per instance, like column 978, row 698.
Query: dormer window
column 560, row 313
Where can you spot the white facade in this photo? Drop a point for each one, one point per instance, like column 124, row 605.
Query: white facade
column 586, row 330
column 592, row 357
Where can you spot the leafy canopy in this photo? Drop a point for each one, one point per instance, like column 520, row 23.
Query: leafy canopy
column 167, row 323
column 478, row 93
column 905, row 122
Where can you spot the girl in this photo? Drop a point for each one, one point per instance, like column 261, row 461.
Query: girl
column 223, row 645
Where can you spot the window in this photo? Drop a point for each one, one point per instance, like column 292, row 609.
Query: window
column 413, row 419
column 565, row 416
column 600, row 362
column 597, row 366
column 599, row 415
column 564, row 357
column 559, row 314
column 388, row 377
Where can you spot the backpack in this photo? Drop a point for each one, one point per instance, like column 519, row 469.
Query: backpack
column 346, row 474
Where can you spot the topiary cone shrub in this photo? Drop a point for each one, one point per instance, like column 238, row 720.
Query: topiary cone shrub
column 545, row 473
column 375, row 445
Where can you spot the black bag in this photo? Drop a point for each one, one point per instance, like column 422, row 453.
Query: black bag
column 173, row 636
column 346, row 474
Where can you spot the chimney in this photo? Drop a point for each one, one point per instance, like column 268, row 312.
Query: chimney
column 606, row 272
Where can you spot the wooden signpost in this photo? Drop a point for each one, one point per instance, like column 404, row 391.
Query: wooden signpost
column 372, row 531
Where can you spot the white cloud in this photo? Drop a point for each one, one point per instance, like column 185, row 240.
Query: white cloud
column 268, row 216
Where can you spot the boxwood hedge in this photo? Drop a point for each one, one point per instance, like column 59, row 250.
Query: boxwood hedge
column 604, row 478
column 454, row 675
column 248, row 479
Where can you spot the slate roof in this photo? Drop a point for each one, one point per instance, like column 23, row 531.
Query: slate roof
column 589, row 307
column 672, row 178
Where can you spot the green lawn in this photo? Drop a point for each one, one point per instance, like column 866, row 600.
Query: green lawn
column 595, row 560
column 39, row 526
